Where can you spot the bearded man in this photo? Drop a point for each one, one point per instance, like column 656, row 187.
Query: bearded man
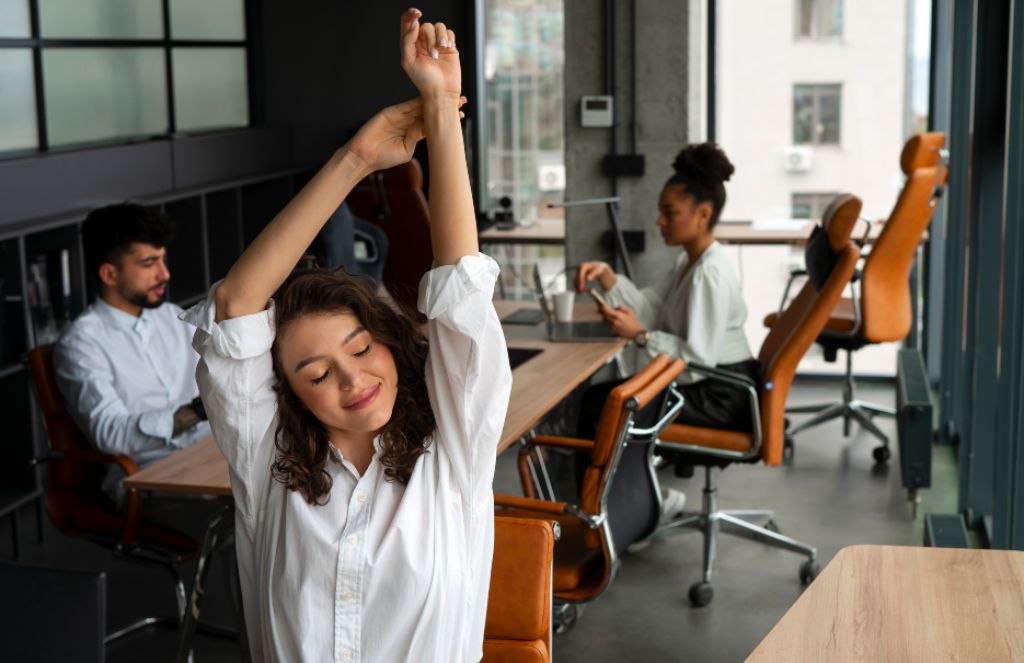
column 126, row 366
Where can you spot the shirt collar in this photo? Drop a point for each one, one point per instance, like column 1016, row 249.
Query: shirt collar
column 122, row 319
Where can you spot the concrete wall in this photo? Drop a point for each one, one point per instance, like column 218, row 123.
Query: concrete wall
column 661, row 89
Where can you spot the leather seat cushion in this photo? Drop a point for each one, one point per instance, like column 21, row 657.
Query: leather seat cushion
column 575, row 562
column 515, row 651
column 842, row 319
column 712, row 438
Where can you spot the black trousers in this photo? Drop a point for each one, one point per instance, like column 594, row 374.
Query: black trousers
column 709, row 403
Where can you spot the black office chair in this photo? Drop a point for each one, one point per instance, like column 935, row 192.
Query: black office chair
column 50, row 614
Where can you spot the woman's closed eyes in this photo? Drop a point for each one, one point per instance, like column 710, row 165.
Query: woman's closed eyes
column 362, row 353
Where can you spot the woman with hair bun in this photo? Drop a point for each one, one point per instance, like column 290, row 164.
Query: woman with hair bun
column 696, row 310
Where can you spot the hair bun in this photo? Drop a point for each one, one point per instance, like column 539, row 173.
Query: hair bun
column 704, row 162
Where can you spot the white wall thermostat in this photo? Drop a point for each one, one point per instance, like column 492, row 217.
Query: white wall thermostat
column 596, row 110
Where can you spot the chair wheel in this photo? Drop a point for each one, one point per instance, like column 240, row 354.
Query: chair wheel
column 787, row 448
column 701, row 594
column 565, row 618
column 808, row 571
column 881, row 455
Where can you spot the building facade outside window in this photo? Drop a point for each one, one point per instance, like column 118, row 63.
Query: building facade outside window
column 816, row 114
column 811, row 205
column 819, row 19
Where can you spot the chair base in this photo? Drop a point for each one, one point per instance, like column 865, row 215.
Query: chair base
column 850, row 409
column 710, row 521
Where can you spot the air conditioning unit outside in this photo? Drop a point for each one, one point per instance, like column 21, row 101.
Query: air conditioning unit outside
column 797, row 159
column 551, row 177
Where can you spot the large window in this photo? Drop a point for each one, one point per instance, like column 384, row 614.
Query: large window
column 77, row 72
column 836, row 88
column 816, row 110
column 819, row 19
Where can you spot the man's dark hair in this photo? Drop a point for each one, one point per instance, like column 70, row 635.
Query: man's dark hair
column 108, row 233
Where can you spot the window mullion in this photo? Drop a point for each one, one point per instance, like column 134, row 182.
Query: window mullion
column 172, row 124
column 37, row 75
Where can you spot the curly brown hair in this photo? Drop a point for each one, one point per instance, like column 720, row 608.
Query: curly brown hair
column 302, row 442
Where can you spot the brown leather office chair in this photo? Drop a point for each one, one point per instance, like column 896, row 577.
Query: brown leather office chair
column 394, row 200
column 832, row 259
column 78, row 507
column 518, row 626
column 881, row 311
column 609, row 514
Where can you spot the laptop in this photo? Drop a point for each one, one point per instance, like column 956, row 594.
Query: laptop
column 569, row 331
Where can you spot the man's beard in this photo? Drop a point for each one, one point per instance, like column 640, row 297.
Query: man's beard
column 141, row 298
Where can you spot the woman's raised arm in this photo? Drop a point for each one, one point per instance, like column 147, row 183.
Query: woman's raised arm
column 387, row 140
column 431, row 60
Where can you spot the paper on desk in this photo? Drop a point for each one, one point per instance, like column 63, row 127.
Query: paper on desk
column 780, row 224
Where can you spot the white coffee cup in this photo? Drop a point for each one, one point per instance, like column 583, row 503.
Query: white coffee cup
column 564, row 303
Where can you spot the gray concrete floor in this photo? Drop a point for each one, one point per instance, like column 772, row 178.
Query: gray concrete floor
column 830, row 496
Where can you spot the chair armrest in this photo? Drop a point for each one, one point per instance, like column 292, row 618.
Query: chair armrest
column 743, row 382
column 127, row 464
column 794, row 274
column 560, row 442
column 530, row 504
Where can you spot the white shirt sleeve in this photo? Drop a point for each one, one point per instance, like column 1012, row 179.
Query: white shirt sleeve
column 468, row 374
column 236, row 380
column 707, row 318
column 86, row 381
column 645, row 302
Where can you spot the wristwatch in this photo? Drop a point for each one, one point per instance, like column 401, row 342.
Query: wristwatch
column 641, row 338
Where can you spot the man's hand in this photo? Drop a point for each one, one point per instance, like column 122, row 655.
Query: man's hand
column 623, row 321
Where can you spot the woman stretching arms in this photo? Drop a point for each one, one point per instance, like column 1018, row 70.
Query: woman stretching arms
column 361, row 452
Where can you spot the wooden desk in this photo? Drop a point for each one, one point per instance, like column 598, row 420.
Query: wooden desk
column 546, row 230
column 537, row 386
column 748, row 232
column 888, row 603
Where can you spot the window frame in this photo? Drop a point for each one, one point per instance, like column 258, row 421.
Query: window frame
column 36, row 43
column 819, row 202
column 817, row 90
column 815, row 23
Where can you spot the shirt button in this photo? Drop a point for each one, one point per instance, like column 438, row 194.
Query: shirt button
column 347, row 655
column 348, row 596
column 361, row 498
column 352, row 539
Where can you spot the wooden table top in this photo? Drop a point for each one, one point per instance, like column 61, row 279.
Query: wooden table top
column 544, row 231
column 902, row 604
column 751, row 232
column 537, row 386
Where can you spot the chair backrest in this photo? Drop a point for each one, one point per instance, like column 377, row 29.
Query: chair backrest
column 68, row 483
column 801, row 323
column 394, row 200
column 49, row 614
column 885, row 292
column 631, row 396
column 518, row 626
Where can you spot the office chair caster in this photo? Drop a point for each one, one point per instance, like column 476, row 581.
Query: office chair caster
column 808, row 572
column 881, row 455
column 701, row 594
column 565, row 617
column 787, row 449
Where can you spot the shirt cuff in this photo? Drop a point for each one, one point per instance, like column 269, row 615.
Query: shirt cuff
column 443, row 287
column 158, row 424
column 238, row 338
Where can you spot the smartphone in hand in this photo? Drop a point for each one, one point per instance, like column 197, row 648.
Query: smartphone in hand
column 598, row 298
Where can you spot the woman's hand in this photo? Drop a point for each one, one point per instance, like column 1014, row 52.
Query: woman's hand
column 430, row 58
column 623, row 321
column 390, row 136
column 600, row 271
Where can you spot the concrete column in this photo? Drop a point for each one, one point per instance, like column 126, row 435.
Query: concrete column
column 661, row 90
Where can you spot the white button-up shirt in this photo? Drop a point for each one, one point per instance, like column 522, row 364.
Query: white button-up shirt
column 382, row 572
column 696, row 314
column 123, row 377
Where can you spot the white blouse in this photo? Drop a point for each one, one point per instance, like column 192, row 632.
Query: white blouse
column 696, row 314
column 382, row 572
